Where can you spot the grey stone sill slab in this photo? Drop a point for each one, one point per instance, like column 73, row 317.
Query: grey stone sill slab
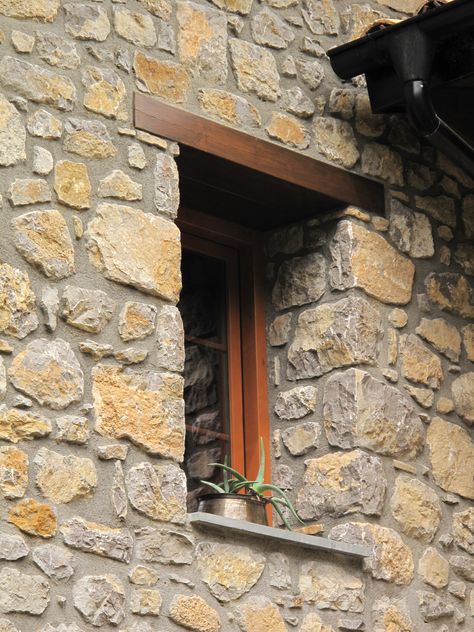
column 278, row 536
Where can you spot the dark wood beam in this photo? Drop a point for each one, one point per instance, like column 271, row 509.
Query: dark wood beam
column 261, row 156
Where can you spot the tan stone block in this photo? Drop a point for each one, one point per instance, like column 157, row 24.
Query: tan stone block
column 143, row 576
column 419, row 364
column 64, row 478
column 17, row 303
column 37, row 83
column 416, row 508
column 331, row 587
column 42, row 10
column 382, row 162
column 433, row 568
column 468, row 341
column 259, row 614
column 145, row 601
column 255, row 70
column 86, row 21
column 44, row 125
column 145, row 408
column 335, row 140
column 119, row 185
column 229, row 107
column 452, row 457
column 137, row 28
column 313, row 623
column 22, row 42
column 288, row 130
column 17, row 425
column 444, row 337
column 13, row 472
column 105, row 92
column 34, row 518
column 423, row 396
column 166, row 79
column 89, row 139
column 451, row 292
column 229, row 571
column 463, row 529
column 5, row 347
column 43, row 238
column 72, row 184
column 194, row 614
column 444, row 406
column 161, row 8
column 12, row 134
column 29, row 191
column 137, row 249
column 463, row 395
column 391, row 615
column 364, row 259
column 392, row 347
column 235, row 6
column 202, row 41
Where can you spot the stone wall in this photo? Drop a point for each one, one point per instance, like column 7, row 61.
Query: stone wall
column 371, row 345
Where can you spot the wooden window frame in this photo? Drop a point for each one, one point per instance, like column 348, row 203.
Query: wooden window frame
column 249, row 415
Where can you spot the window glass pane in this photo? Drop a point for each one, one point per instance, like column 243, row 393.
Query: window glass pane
column 206, row 394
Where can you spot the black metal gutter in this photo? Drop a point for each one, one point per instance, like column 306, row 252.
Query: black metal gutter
column 402, row 63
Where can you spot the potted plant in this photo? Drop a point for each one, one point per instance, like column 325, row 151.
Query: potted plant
column 237, row 497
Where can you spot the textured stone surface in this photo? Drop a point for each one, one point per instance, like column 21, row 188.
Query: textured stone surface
column 255, row 70
column 342, row 483
column 334, row 335
column 235, row 6
column 17, row 425
column 382, row 162
column 335, row 140
column 13, row 472
column 450, row 292
column 165, row 79
column 57, row 51
column 96, row 538
column 268, row 29
column 229, row 107
column 86, row 21
column 22, row 593
column 364, row 259
column 48, row 371
column 120, row 185
column 440, row 208
column 88, row 138
column 34, row 518
column 390, row 559
column 302, row 438
column 158, row 491
column 463, row 530
column 228, row 571
column 64, row 478
column 391, row 615
column 43, row 161
column 136, row 248
column 17, row 302
column 444, row 337
column 72, row 184
column 202, row 41
column 258, row 614
column 163, row 546
column 288, row 130
column 100, row 599
column 194, row 614
column 452, row 457
column 313, row 623
column 328, row 587
column 416, row 508
column 312, row 74
column 29, row 191
column 463, row 566
column 360, row 411
column 41, row 10
column 12, row 547
column 411, row 232
column 166, row 185
column 88, row 310
column 170, row 353
column 300, row 280
column 12, row 135
column 143, row 576
column 37, row 84
column 419, row 364
column 55, row 561
column 145, row 408
column 137, row 321
column 136, row 28
column 279, row 330
column 43, row 239
column 296, row 403
column 463, row 395
column 72, row 429
column 44, row 125
column 433, row 568
column 433, row 606
column 145, row 601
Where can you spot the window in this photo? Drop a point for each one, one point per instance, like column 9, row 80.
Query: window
column 222, row 306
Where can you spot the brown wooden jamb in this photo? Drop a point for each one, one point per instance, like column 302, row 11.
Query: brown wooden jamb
column 192, row 130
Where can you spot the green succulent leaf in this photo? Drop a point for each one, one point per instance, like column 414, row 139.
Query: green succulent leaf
column 216, row 488
column 261, row 468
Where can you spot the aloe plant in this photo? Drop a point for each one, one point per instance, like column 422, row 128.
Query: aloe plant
column 233, row 482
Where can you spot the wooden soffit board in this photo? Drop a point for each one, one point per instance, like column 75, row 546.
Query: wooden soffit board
column 244, row 179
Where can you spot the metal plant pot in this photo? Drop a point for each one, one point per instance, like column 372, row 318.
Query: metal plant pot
column 236, row 506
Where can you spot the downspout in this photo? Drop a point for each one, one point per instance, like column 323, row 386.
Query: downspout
column 412, row 53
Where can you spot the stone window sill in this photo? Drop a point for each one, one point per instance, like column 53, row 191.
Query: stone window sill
column 278, row 536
